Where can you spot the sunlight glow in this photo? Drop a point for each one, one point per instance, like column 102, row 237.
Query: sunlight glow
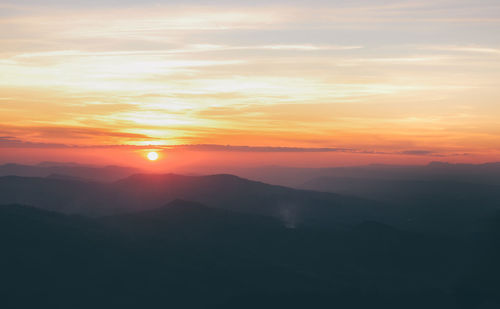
column 153, row 156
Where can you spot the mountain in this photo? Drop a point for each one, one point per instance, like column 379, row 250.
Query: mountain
column 88, row 172
column 424, row 205
column 61, row 195
column 442, row 197
column 292, row 206
column 488, row 173
column 378, row 240
column 143, row 191
column 189, row 255
column 440, row 205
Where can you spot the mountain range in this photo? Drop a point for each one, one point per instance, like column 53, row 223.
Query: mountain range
column 188, row 255
column 353, row 240
column 149, row 191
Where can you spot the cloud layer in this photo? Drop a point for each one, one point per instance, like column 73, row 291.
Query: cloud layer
column 405, row 77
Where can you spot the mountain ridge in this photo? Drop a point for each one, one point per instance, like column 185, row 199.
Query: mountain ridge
column 149, row 191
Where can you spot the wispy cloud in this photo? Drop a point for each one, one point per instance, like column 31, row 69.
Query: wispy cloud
column 416, row 60
column 419, row 152
column 12, row 142
column 211, row 147
column 308, row 47
column 466, row 49
column 192, row 48
column 79, row 135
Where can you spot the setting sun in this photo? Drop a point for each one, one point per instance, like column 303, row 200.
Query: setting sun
column 152, row 156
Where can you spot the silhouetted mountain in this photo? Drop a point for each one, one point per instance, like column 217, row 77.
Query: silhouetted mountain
column 45, row 169
column 141, row 192
column 187, row 255
column 237, row 194
column 64, row 164
column 62, row 195
column 488, row 173
column 65, row 177
column 432, row 204
column 447, row 207
column 181, row 214
column 221, row 241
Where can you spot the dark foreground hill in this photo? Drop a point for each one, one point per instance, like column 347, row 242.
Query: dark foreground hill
column 188, row 255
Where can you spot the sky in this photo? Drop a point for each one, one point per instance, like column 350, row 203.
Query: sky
column 309, row 83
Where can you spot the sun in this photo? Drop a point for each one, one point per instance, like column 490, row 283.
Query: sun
column 152, row 156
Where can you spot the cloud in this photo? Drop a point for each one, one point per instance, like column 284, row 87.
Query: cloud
column 15, row 143
column 420, row 153
column 279, row 73
column 466, row 49
column 212, row 147
column 11, row 142
column 412, row 60
column 308, row 47
column 35, row 134
column 191, row 48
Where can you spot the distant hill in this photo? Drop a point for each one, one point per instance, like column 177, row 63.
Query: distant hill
column 441, row 205
column 143, row 191
column 488, row 173
column 78, row 171
column 292, row 206
column 444, row 206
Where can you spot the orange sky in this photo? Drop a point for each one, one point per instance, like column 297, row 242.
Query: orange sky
column 362, row 81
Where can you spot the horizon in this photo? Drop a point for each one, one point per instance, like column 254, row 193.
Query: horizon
column 74, row 163
column 206, row 168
